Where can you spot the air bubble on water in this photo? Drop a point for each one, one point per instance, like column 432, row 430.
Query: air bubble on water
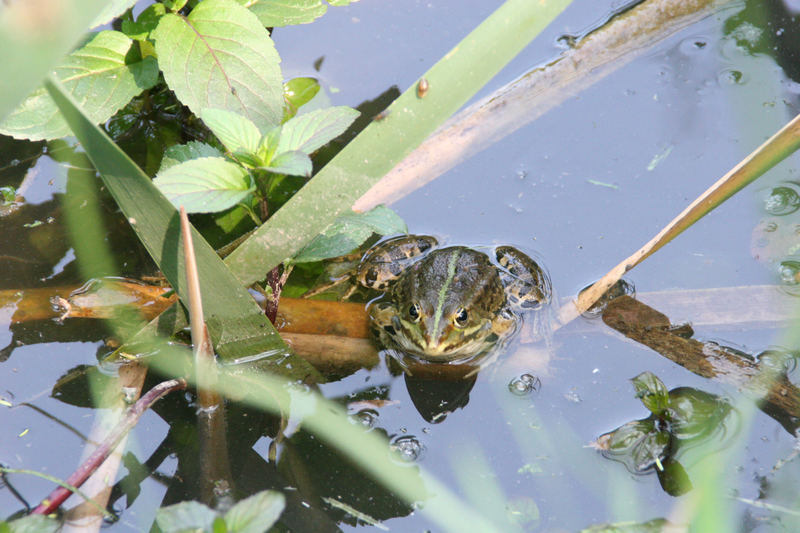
column 407, row 448
column 781, row 201
column 788, row 272
column 731, row 77
column 572, row 396
column 524, row 385
column 367, row 418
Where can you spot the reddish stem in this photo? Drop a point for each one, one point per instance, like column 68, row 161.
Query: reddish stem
column 93, row 462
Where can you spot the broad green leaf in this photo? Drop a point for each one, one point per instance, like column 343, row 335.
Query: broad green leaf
column 205, row 185
column 97, row 76
column 44, row 31
column 292, row 163
column 349, row 232
column 237, row 326
column 175, row 5
column 273, row 13
column 313, row 130
column 112, row 10
column 221, row 57
column 145, row 23
column 185, row 516
column 179, row 153
column 239, row 135
column 255, row 514
column 33, row 524
column 652, row 392
column 298, row 92
column 333, row 191
column 341, row 2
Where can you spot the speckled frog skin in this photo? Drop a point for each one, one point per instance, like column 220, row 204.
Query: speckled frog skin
column 448, row 304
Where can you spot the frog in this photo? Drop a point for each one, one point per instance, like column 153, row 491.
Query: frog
column 451, row 304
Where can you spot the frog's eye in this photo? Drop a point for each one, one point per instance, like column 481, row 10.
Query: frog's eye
column 413, row 312
column 461, row 317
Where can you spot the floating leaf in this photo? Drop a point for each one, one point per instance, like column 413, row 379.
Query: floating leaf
column 179, row 153
column 238, row 134
column 652, row 392
column 205, row 185
column 185, row 516
column 349, row 232
column 145, row 23
column 293, row 163
column 257, row 513
column 97, row 76
column 312, row 130
column 222, row 57
column 274, row 13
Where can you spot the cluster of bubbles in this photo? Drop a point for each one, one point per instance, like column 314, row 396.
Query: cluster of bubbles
column 524, row 385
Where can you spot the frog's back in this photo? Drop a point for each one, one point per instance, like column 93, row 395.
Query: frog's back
column 456, row 277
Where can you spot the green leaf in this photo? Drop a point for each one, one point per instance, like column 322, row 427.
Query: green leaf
column 112, row 10
column 293, row 163
column 33, row 524
column 237, row 326
column 185, row 516
column 313, row 130
column 44, row 38
column 255, row 514
column 349, row 232
column 145, row 23
column 341, row 2
column 178, row 153
column 298, row 92
column 205, row 185
column 238, row 134
column 175, row 5
column 221, row 57
column 652, row 392
column 97, row 76
column 341, row 182
column 274, row 13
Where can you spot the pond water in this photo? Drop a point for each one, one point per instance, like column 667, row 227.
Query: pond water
column 583, row 187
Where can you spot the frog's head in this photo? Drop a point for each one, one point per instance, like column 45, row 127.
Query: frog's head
column 444, row 308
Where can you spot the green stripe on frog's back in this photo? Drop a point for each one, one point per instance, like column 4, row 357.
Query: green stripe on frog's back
column 451, row 272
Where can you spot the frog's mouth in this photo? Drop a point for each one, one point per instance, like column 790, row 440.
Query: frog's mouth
column 472, row 342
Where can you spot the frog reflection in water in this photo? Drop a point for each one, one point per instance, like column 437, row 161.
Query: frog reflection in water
column 449, row 304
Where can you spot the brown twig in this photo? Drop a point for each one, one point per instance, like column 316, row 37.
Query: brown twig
column 59, row 495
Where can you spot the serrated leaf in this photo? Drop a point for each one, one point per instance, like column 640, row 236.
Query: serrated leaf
column 205, row 185
column 652, row 392
column 255, row 514
column 237, row 133
column 292, row 163
column 145, row 23
column 273, row 13
column 312, row 130
column 112, row 10
column 178, row 153
column 222, row 57
column 349, row 232
column 97, row 76
column 185, row 516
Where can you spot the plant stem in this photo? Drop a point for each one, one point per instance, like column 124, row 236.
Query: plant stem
column 59, row 495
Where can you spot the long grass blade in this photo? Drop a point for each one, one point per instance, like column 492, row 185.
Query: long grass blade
column 766, row 156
